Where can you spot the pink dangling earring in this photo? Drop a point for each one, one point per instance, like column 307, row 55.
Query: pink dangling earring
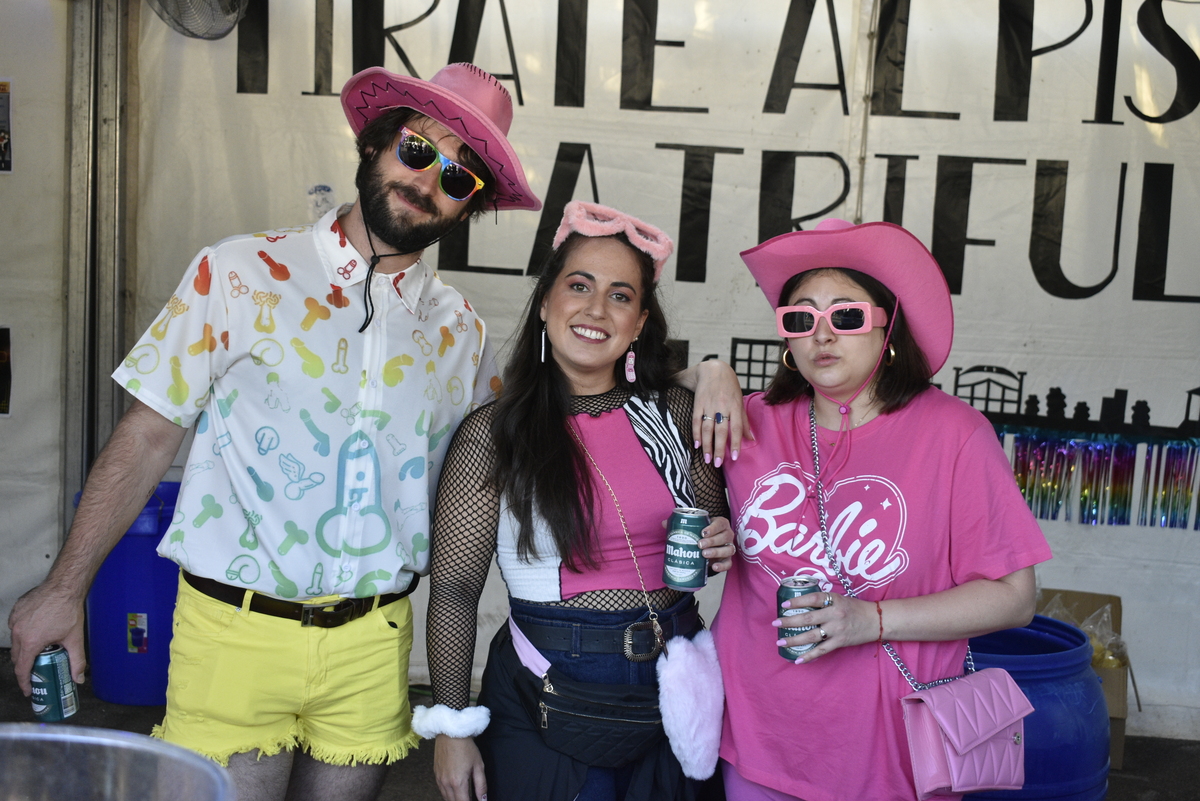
column 630, row 358
column 543, row 343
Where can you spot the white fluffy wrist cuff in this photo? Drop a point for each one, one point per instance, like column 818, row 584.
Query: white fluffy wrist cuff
column 430, row 721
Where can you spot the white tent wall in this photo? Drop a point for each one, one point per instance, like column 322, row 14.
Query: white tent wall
column 215, row 162
column 34, row 58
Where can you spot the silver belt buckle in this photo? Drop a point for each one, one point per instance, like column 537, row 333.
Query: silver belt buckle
column 308, row 611
column 643, row 625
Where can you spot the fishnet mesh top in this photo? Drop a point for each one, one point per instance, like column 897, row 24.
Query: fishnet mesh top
column 465, row 521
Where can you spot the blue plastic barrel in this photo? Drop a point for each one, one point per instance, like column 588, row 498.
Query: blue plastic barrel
column 130, row 607
column 1066, row 736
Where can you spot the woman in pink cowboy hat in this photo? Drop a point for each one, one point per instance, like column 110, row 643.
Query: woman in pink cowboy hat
column 895, row 497
column 566, row 480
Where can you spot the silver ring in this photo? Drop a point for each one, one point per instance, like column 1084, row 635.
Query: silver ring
column 828, row 600
column 705, row 417
column 824, row 636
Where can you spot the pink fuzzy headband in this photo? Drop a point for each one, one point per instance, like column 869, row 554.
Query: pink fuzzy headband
column 592, row 219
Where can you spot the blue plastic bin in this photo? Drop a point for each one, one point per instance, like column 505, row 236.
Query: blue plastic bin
column 130, row 607
column 1066, row 737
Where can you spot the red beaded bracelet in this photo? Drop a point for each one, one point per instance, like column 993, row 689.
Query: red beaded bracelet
column 879, row 610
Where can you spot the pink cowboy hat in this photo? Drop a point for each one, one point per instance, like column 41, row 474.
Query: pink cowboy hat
column 884, row 251
column 462, row 97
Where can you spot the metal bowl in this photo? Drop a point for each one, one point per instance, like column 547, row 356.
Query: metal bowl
column 40, row 762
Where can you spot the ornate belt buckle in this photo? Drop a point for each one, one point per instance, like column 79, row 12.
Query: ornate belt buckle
column 643, row 625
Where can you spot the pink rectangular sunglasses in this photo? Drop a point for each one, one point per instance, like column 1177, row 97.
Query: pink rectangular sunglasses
column 843, row 318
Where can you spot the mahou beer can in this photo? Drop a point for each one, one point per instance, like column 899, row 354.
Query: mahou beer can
column 53, row 696
column 684, row 566
column 794, row 587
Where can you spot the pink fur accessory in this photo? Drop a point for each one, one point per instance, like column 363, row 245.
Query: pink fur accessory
column 592, row 219
column 691, row 696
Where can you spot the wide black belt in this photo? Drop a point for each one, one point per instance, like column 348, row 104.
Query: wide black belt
column 636, row 639
column 326, row 616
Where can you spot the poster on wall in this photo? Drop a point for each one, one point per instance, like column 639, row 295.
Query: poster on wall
column 5, row 126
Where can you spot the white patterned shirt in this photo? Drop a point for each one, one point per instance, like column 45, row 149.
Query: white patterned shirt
column 317, row 448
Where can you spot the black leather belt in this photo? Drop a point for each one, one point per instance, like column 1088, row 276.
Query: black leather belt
column 636, row 639
column 325, row 616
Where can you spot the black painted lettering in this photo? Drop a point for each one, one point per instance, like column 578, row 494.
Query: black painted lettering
column 1165, row 40
column 1015, row 54
column 951, row 213
column 366, row 34
column 639, row 28
column 570, row 65
column 787, row 60
column 891, row 45
column 695, row 208
column 1046, row 233
column 390, row 32
column 464, row 40
column 253, row 48
column 1014, row 61
column 323, row 49
column 563, row 181
column 1106, row 71
column 893, row 193
column 778, row 185
column 1154, row 234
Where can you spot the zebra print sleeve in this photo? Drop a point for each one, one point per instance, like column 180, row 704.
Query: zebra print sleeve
column 708, row 485
column 660, row 438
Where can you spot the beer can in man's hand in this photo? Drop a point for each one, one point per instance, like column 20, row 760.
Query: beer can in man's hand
column 54, row 697
column 794, row 587
column 684, row 566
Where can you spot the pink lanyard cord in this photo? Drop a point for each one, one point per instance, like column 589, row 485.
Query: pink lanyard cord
column 844, row 408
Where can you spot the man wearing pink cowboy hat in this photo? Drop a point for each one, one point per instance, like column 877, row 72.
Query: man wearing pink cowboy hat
column 324, row 369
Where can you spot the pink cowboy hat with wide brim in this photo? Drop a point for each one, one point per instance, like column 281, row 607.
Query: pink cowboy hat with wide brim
column 464, row 98
column 884, row 251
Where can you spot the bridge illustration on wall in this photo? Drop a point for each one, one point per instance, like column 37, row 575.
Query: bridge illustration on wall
column 1069, row 467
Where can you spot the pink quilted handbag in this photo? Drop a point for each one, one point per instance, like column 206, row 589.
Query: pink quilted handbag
column 966, row 735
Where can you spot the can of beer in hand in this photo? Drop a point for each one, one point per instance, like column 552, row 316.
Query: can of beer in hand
column 53, row 696
column 684, row 566
column 794, row 587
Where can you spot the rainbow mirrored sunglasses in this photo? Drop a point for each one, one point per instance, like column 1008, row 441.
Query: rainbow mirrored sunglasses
column 843, row 318
column 419, row 154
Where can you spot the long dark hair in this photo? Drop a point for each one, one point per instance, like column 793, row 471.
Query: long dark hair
column 895, row 384
column 376, row 137
column 539, row 466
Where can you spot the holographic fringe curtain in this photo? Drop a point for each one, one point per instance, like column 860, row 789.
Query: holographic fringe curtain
column 1092, row 480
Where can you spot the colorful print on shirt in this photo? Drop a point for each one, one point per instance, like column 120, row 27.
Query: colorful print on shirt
column 316, row 447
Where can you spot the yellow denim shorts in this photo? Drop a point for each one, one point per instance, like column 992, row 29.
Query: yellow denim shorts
column 242, row 681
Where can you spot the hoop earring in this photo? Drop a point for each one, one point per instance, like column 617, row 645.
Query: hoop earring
column 786, row 353
column 630, row 358
column 891, row 355
column 543, row 343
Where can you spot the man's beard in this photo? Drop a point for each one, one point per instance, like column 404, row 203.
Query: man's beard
column 402, row 235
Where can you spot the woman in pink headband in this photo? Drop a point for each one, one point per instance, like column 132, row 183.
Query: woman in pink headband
column 895, row 498
column 566, row 480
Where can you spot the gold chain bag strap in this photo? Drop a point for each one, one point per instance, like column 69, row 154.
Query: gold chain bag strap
column 965, row 733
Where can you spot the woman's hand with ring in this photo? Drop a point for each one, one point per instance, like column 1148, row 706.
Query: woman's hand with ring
column 718, row 545
column 718, row 417
column 837, row 621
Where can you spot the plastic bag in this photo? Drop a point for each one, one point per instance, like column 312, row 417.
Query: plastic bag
column 1056, row 609
column 1108, row 649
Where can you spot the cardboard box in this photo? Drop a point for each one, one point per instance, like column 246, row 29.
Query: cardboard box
column 1114, row 681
